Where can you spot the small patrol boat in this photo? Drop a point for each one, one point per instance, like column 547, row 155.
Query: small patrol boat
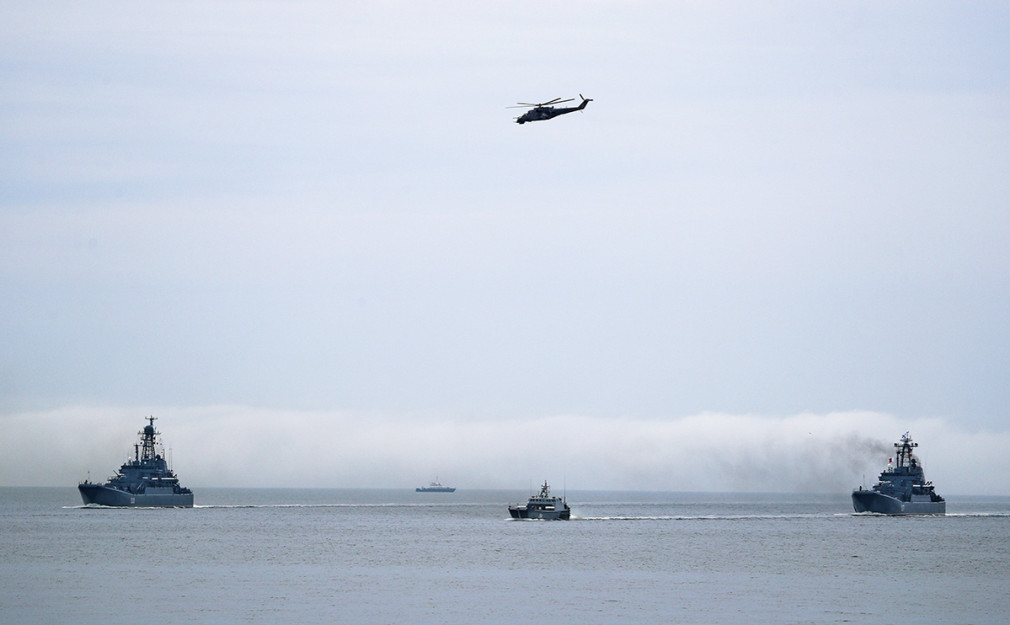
column 435, row 487
column 902, row 487
column 145, row 481
column 542, row 506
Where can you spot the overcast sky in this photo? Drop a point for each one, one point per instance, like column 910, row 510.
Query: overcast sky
column 310, row 239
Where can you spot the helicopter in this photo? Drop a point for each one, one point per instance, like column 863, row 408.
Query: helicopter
column 547, row 110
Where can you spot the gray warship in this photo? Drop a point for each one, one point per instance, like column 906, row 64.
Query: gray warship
column 145, row 481
column 435, row 487
column 542, row 506
column 902, row 487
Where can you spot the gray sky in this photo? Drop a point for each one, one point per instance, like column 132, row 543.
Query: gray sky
column 778, row 227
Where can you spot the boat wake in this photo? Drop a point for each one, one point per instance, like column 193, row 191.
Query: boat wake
column 237, row 506
column 340, row 505
column 705, row 517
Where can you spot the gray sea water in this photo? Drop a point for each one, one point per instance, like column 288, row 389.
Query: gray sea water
column 396, row 556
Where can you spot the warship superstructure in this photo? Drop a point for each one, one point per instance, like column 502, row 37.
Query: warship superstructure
column 144, row 481
column 902, row 487
column 542, row 506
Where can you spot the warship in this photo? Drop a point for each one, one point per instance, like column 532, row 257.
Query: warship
column 144, row 481
column 902, row 487
column 435, row 487
column 542, row 506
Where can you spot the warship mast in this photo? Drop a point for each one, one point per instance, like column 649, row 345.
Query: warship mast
column 148, row 434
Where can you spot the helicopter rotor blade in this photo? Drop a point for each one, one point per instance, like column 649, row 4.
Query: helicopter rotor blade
column 548, row 103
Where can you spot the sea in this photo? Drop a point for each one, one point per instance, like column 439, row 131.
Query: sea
column 360, row 556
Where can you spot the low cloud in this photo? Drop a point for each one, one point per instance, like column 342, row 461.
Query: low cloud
column 254, row 447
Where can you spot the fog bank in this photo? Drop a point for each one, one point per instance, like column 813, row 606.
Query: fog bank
column 254, row 447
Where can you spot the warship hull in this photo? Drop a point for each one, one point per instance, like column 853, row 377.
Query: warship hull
column 872, row 501
column 102, row 495
column 521, row 512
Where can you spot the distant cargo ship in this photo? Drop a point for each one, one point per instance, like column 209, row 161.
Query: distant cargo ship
column 902, row 487
column 144, row 481
column 435, row 487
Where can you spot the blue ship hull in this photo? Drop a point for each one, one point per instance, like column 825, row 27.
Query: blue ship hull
column 522, row 512
column 872, row 501
column 102, row 495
